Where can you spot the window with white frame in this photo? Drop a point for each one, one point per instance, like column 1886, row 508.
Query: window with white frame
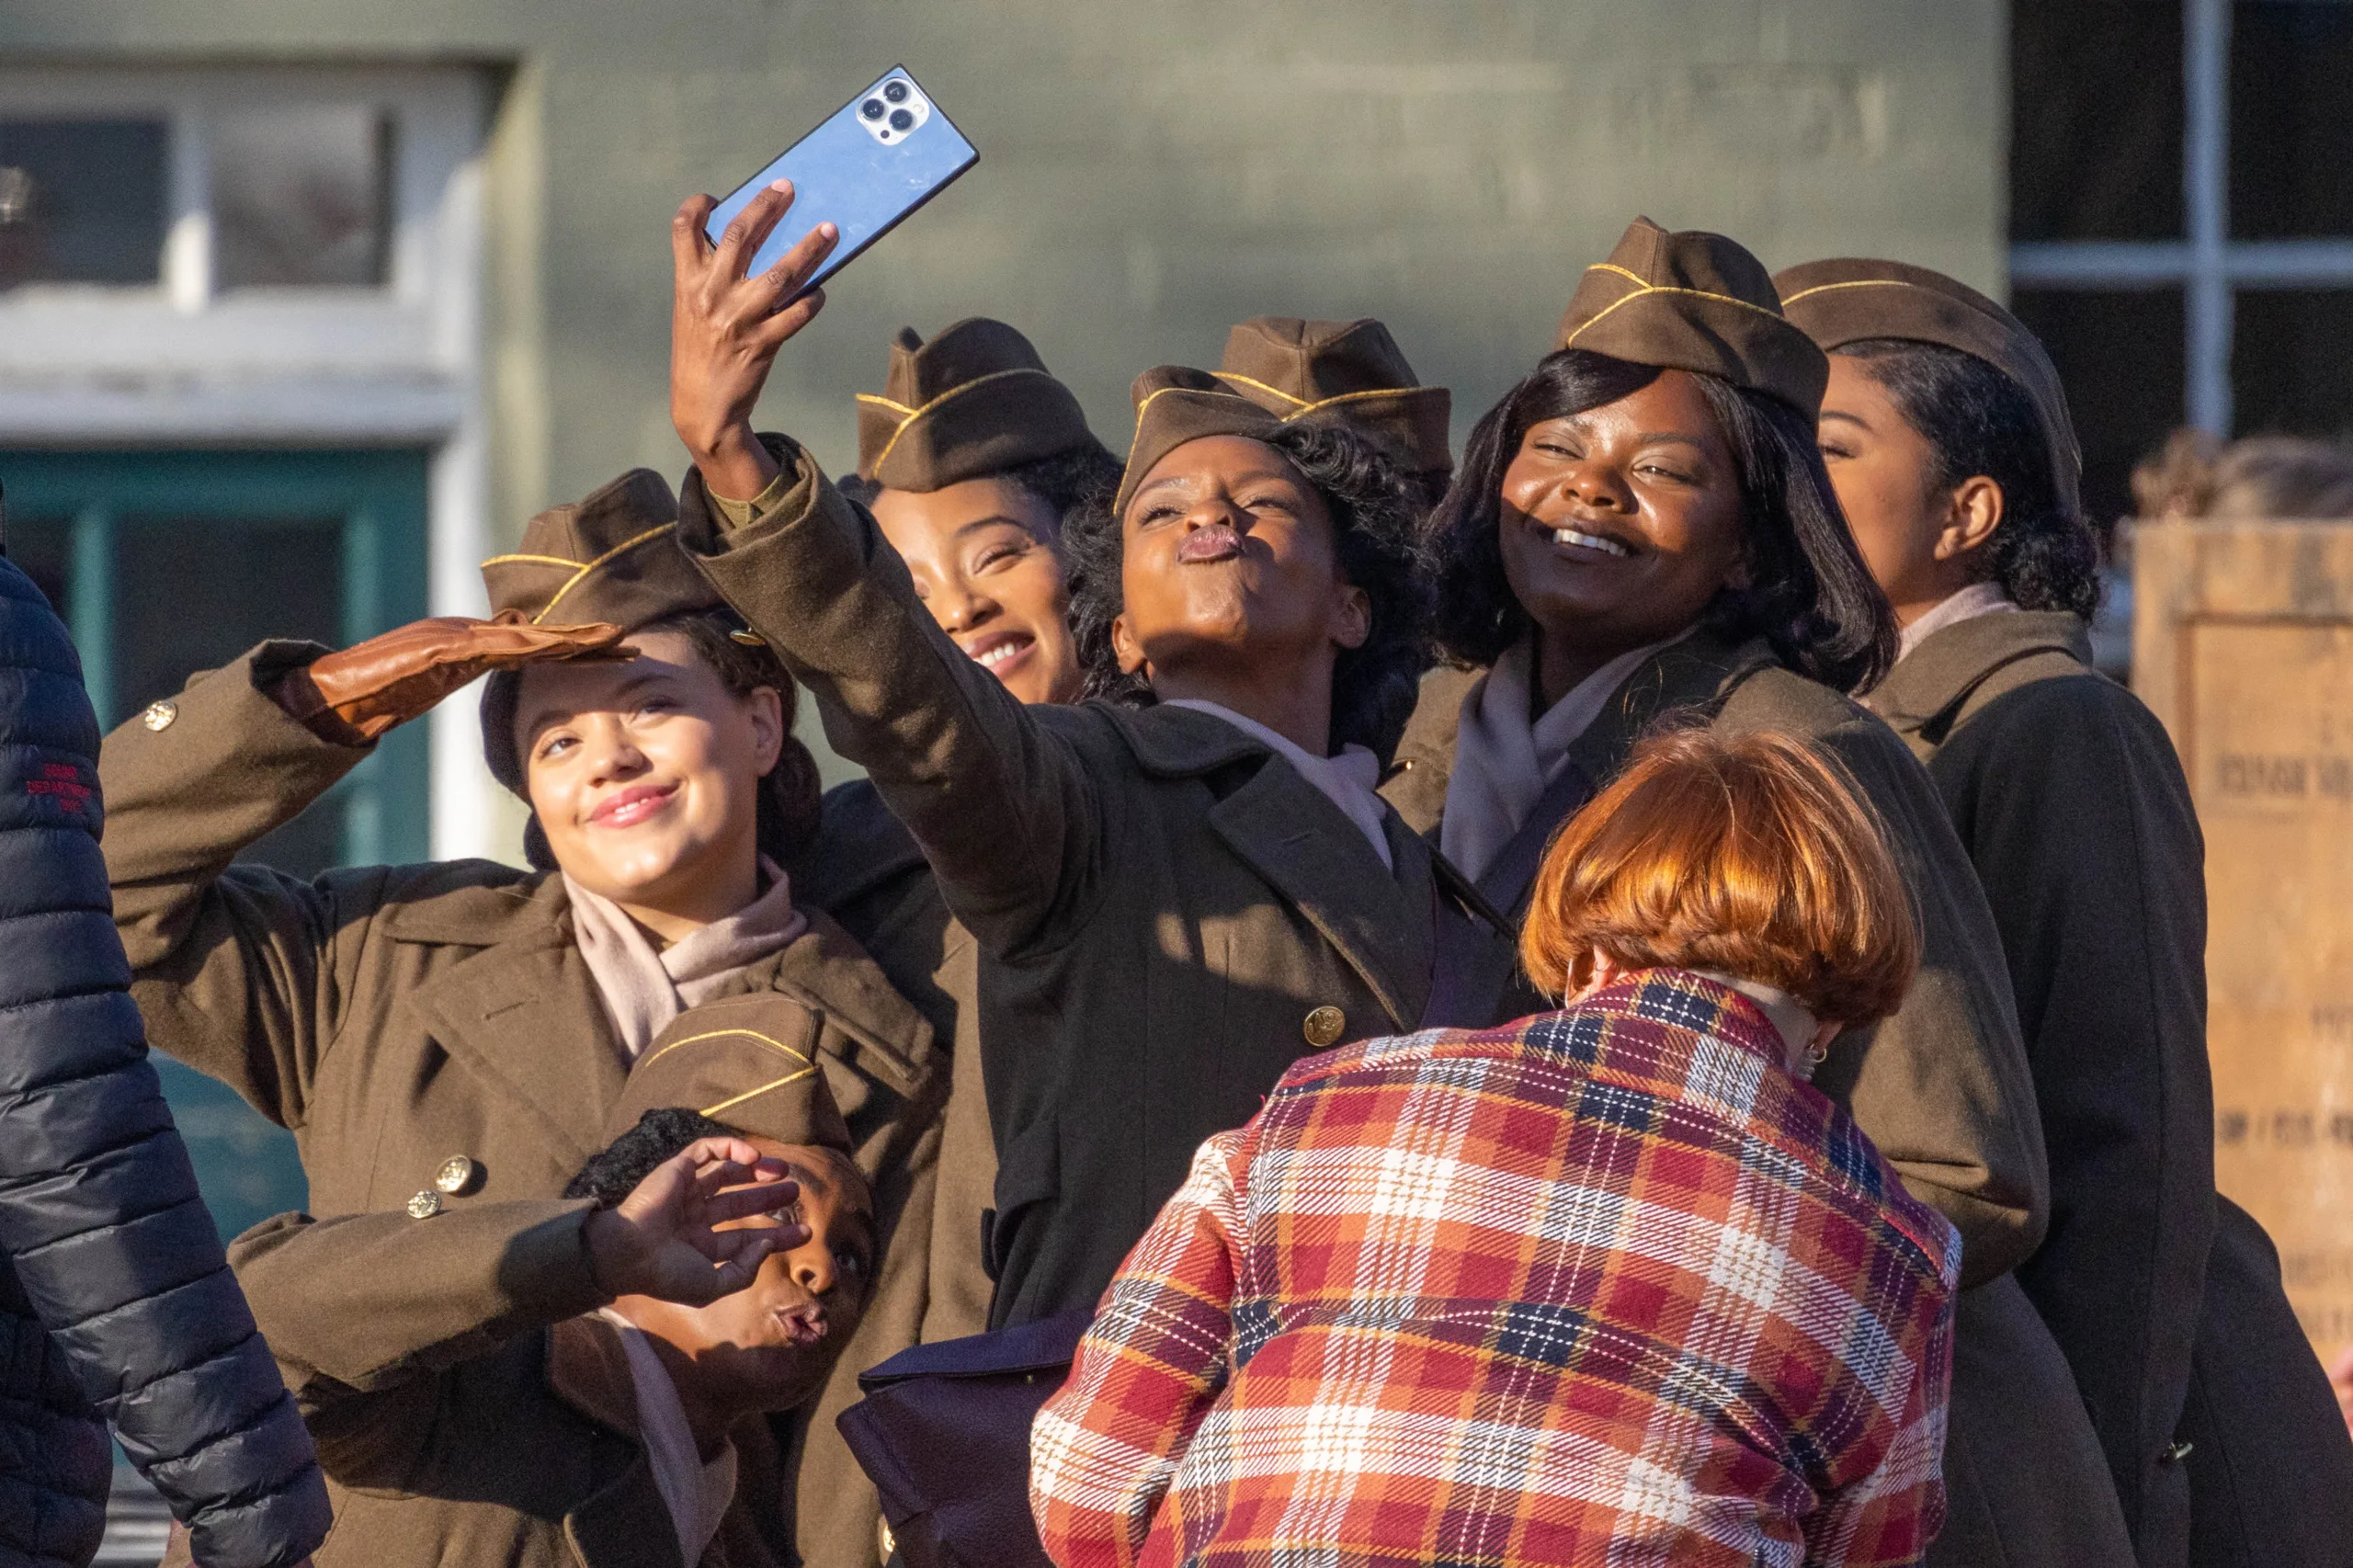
column 2182, row 217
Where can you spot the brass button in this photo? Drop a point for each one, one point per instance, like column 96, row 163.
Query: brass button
column 456, row 1175
column 2176, row 1452
column 425, row 1205
column 160, row 714
column 1324, row 1025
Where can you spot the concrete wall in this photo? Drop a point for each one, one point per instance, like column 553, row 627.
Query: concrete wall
column 1150, row 171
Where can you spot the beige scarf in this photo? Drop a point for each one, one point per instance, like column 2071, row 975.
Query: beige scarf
column 643, row 989
column 1506, row 756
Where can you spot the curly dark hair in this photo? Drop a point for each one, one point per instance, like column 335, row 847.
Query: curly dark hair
column 1979, row 421
column 614, row 1170
column 789, row 806
column 1809, row 596
column 1063, row 481
column 1377, row 541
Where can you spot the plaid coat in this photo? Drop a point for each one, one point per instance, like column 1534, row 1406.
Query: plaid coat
column 1604, row 1286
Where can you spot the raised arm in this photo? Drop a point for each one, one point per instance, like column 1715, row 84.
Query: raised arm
column 1003, row 803
column 1104, row 1451
column 241, row 971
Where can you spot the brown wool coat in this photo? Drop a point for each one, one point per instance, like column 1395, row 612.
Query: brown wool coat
column 484, row 1420
column 1160, row 902
column 396, row 1017
column 867, row 872
column 2069, row 799
column 1942, row 1087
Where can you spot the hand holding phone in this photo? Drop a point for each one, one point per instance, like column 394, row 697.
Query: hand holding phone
column 726, row 326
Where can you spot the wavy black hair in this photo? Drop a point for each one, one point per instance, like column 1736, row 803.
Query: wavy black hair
column 1063, row 481
column 614, row 1170
column 1979, row 421
column 1808, row 594
column 1376, row 538
column 789, row 804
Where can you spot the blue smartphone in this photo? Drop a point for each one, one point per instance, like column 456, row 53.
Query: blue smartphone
column 886, row 152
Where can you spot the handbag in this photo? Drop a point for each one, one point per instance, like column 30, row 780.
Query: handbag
column 944, row 1434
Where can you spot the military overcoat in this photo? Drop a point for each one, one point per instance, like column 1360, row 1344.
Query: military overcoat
column 2068, row 796
column 484, row 1417
column 1169, row 915
column 415, row 1025
column 1942, row 1087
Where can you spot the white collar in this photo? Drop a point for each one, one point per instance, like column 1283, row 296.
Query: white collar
column 1978, row 598
column 695, row 1493
column 1347, row 780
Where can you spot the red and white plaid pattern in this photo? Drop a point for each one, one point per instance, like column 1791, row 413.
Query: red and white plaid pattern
column 1607, row 1286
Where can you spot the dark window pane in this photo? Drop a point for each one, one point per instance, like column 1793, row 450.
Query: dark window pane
column 193, row 594
column 81, row 200
column 2292, row 119
column 2096, row 119
column 41, row 547
column 2288, row 365
column 300, row 195
column 2121, row 357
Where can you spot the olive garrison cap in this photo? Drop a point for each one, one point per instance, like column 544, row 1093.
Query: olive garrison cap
column 747, row 1061
column 612, row 557
column 1850, row 299
column 974, row 401
column 1347, row 373
column 1176, row 403
column 1694, row 302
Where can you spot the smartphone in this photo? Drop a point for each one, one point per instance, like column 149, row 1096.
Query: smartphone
column 886, row 152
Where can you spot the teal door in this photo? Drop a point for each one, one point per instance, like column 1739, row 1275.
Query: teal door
column 166, row 562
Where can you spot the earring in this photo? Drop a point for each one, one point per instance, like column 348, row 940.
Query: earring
column 1816, row 1055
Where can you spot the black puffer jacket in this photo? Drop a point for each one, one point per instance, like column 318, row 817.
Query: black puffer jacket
column 114, row 1295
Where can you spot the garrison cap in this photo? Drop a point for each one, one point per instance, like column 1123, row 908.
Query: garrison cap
column 974, row 401
column 612, row 557
column 1176, row 403
column 1850, row 299
column 1694, row 302
column 747, row 1061
column 1350, row 374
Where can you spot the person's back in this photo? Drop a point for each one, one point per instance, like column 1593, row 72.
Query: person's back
column 113, row 1288
column 1609, row 1284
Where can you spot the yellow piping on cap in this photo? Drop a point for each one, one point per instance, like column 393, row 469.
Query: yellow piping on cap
column 1867, row 283
column 1254, row 382
column 530, row 561
column 1603, row 315
column 721, row 1034
column 1155, row 396
column 1354, row 397
column 884, row 455
column 713, row 1110
column 591, row 566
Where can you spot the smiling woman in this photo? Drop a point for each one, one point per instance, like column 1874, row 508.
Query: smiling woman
column 446, row 1039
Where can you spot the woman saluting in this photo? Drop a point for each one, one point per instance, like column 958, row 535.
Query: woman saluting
column 443, row 1038
column 1175, row 897
column 1949, row 440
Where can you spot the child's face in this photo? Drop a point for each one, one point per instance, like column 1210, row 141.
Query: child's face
column 769, row 1346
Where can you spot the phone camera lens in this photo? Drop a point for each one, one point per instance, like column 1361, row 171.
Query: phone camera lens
column 902, row 119
column 896, row 92
column 871, row 108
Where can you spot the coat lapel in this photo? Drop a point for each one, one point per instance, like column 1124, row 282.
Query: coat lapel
column 1286, row 831
column 624, row 1523
column 521, row 1015
column 1928, row 688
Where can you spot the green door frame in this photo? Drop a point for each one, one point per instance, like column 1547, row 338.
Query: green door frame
column 379, row 493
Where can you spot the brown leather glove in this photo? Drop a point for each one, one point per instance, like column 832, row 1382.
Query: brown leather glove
column 363, row 690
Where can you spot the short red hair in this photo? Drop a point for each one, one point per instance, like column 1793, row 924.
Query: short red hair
column 1749, row 854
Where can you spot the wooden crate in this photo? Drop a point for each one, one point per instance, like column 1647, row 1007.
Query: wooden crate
column 2243, row 644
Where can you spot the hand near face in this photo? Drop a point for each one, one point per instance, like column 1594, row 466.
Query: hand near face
column 400, row 674
column 726, row 329
column 667, row 1239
